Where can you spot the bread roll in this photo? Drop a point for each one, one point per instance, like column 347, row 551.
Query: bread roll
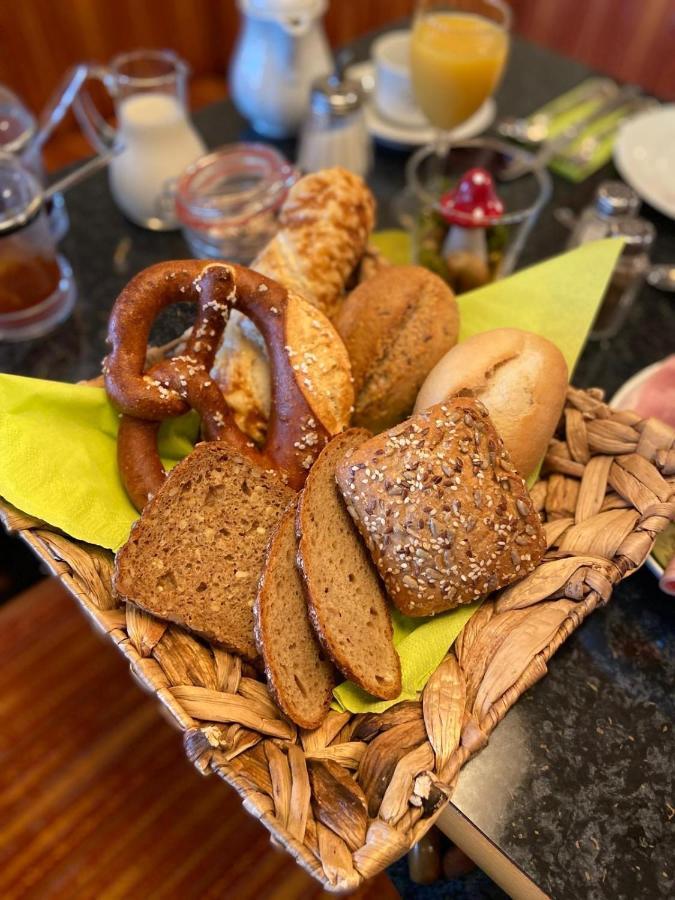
column 396, row 326
column 325, row 223
column 520, row 377
column 446, row 517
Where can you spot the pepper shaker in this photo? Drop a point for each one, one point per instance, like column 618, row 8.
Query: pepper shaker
column 335, row 133
column 612, row 199
column 628, row 275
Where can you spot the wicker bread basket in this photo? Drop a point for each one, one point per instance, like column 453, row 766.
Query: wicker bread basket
column 354, row 795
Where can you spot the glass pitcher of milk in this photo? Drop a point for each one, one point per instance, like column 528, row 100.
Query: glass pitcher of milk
column 154, row 140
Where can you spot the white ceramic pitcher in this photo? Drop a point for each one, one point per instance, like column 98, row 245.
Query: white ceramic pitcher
column 280, row 50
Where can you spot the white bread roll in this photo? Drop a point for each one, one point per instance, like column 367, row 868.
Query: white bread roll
column 519, row 376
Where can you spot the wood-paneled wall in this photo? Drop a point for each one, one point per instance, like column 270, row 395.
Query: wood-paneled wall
column 631, row 39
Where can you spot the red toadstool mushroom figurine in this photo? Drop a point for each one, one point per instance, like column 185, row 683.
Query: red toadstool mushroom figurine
column 469, row 209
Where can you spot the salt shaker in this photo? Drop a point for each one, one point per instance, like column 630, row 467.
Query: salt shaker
column 335, row 133
column 628, row 275
column 612, row 199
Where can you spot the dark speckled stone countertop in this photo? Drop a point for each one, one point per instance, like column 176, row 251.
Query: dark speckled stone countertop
column 575, row 787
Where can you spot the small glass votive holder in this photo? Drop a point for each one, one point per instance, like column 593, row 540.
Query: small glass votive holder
column 228, row 201
column 430, row 176
column 37, row 290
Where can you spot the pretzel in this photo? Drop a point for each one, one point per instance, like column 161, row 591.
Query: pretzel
column 171, row 387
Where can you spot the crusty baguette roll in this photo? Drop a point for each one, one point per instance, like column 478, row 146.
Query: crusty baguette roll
column 520, row 377
column 325, row 224
column 396, row 326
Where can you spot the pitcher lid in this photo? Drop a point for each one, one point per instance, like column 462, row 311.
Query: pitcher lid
column 20, row 194
column 17, row 123
column 283, row 10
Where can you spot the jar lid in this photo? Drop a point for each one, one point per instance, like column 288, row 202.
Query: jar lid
column 20, row 194
column 614, row 198
column 17, row 123
column 232, row 184
column 339, row 97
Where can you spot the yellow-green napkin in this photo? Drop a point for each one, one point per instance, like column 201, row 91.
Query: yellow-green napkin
column 57, row 441
column 557, row 299
column 58, row 457
column 567, row 110
column 421, row 645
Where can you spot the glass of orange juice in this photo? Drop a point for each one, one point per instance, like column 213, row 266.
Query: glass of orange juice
column 457, row 55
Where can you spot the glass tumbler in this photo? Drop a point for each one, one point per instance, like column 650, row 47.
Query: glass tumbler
column 419, row 209
column 37, row 290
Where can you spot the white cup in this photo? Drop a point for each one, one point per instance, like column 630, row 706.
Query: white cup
column 393, row 93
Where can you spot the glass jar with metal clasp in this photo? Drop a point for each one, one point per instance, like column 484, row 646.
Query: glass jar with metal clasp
column 228, row 201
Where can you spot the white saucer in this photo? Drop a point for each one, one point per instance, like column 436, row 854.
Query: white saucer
column 391, row 134
column 623, row 399
column 644, row 154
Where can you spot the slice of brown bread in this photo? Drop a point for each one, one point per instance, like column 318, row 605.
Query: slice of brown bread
column 346, row 601
column 299, row 676
column 195, row 555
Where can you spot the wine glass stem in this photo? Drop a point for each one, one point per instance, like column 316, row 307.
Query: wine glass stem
column 442, row 143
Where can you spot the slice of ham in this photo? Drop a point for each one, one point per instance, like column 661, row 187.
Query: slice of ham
column 667, row 581
column 656, row 396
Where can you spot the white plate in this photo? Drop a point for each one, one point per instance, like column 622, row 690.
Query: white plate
column 623, row 399
column 392, row 134
column 644, row 154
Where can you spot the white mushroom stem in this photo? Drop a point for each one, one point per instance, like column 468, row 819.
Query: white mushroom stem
column 470, row 239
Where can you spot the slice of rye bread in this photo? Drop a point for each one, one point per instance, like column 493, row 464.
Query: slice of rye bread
column 299, row 676
column 346, row 601
column 195, row 555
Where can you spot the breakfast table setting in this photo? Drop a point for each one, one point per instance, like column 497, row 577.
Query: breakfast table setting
column 545, row 754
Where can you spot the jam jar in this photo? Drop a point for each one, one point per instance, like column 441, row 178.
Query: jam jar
column 228, row 201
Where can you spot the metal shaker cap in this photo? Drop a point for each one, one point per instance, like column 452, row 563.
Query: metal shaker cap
column 340, row 97
column 638, row 234
column 17, row 123
column 614, row 198
column 20, row 194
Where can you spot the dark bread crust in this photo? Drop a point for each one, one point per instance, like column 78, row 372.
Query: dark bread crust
column 442, row 509
column 329, row 599
column 310, row 714
column 195, row 555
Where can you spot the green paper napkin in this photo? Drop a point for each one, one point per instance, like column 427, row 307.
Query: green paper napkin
column 421, row 645
column 564, row 164
column 58, row 457
column 57, row 441
column 557, row 299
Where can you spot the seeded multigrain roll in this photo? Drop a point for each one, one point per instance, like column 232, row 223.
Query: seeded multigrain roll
column 442, row 509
